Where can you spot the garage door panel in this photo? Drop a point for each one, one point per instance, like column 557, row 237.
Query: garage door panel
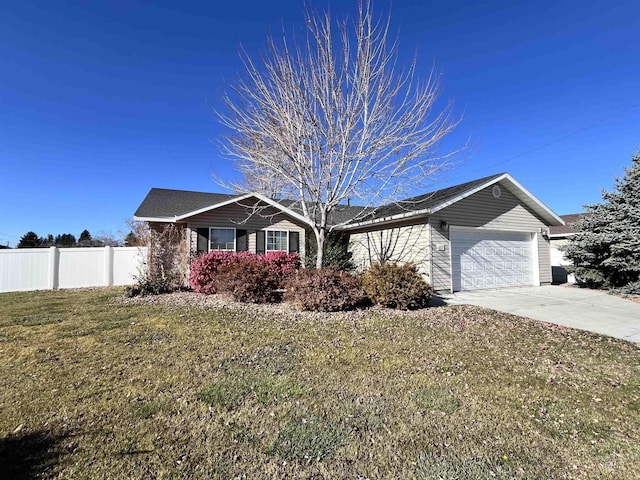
column 486, row 259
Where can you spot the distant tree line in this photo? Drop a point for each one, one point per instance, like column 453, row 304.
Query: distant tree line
column 67, row 240
column 137, row 236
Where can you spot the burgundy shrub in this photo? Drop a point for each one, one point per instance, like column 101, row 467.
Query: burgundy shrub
column 325, row 290
column 250, row 279
column 206, row 269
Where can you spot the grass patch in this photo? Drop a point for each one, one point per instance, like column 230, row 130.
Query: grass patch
column 441, row 468
column 91, row 387
column 436, row 397
column 309, row 439
column 234, row 391
column 147, row 409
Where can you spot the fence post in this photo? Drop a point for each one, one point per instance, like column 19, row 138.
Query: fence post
column 54, row 268
column 108, row 266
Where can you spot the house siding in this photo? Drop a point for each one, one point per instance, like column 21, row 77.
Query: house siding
column 241, row 217
column 483, row 210
column 406, row 242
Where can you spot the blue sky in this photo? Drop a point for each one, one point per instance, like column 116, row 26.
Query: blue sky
column 101, row 101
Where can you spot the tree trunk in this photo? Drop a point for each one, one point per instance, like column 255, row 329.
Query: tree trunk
column 320, row 238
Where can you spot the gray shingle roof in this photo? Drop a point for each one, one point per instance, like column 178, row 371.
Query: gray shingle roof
column 429, row 200
column 567, row 228
column 167, row 203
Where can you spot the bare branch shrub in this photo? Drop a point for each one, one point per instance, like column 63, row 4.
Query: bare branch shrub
column 167, row 266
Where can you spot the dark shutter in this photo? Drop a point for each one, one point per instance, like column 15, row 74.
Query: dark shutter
column 260, row 242
column 294, row 242
column 242, row 244
column 203, row 240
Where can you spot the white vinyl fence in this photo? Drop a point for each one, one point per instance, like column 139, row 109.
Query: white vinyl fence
column 53, row 268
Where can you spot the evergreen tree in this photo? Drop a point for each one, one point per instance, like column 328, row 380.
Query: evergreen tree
column 47, row 242
column 65, row 240
column 606, row 248
column 131, row 240
column 30, row 240
column 85, row 239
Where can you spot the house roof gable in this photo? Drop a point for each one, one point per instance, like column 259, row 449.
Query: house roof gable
column 166, row 205
column 435, row 201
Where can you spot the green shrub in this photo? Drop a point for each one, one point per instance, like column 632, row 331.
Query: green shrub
column 336, row 252
column 325, row 290
column 250, row 280
column 396, row 286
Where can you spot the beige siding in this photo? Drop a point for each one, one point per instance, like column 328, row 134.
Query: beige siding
column 403, row 243
column 240, row 217
column 440, row 257
column 483, row 210
column 544, row 260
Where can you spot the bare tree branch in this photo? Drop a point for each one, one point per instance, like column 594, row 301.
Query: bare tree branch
column 336, row 118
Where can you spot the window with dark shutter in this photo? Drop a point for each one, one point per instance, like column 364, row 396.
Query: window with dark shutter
column 203, row 241
column 242, row 241
column 260, row 242
column 294, row 242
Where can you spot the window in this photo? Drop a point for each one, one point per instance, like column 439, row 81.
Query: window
column 277, row 240
column 222, row 239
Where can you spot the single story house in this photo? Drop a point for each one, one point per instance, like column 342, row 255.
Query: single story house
column 487, row 233
column 558, row 237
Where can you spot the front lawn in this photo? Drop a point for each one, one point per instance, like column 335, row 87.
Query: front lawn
column 91, row 387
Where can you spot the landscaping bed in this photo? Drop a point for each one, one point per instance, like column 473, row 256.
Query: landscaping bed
column 94, row 385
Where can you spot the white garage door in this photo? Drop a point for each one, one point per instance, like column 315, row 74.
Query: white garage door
column 490, row 259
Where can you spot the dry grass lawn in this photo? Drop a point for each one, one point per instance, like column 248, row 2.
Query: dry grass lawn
column 92, row 387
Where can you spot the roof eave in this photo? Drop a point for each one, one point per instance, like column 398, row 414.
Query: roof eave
column 384, row 220
column 541, row 207
column 155, row 219
column 561, row 235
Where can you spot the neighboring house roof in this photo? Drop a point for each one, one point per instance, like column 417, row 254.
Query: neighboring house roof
column 432, row 202
column 165, row 205
column 567, row 229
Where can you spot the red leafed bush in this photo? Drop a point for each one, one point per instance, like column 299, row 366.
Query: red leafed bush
column 206, row 268
column 325, row 290
column 250, row 279
column 283, row 264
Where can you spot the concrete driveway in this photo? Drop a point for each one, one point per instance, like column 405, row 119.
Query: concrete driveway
column 585, row 309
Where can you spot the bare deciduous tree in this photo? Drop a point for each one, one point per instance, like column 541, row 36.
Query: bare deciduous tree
column 333, row 118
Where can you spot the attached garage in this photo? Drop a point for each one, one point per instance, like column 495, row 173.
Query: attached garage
column 487, row 233
column 492, row 258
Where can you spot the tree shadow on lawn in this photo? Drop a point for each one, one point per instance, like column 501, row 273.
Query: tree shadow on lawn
column 27, row 456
